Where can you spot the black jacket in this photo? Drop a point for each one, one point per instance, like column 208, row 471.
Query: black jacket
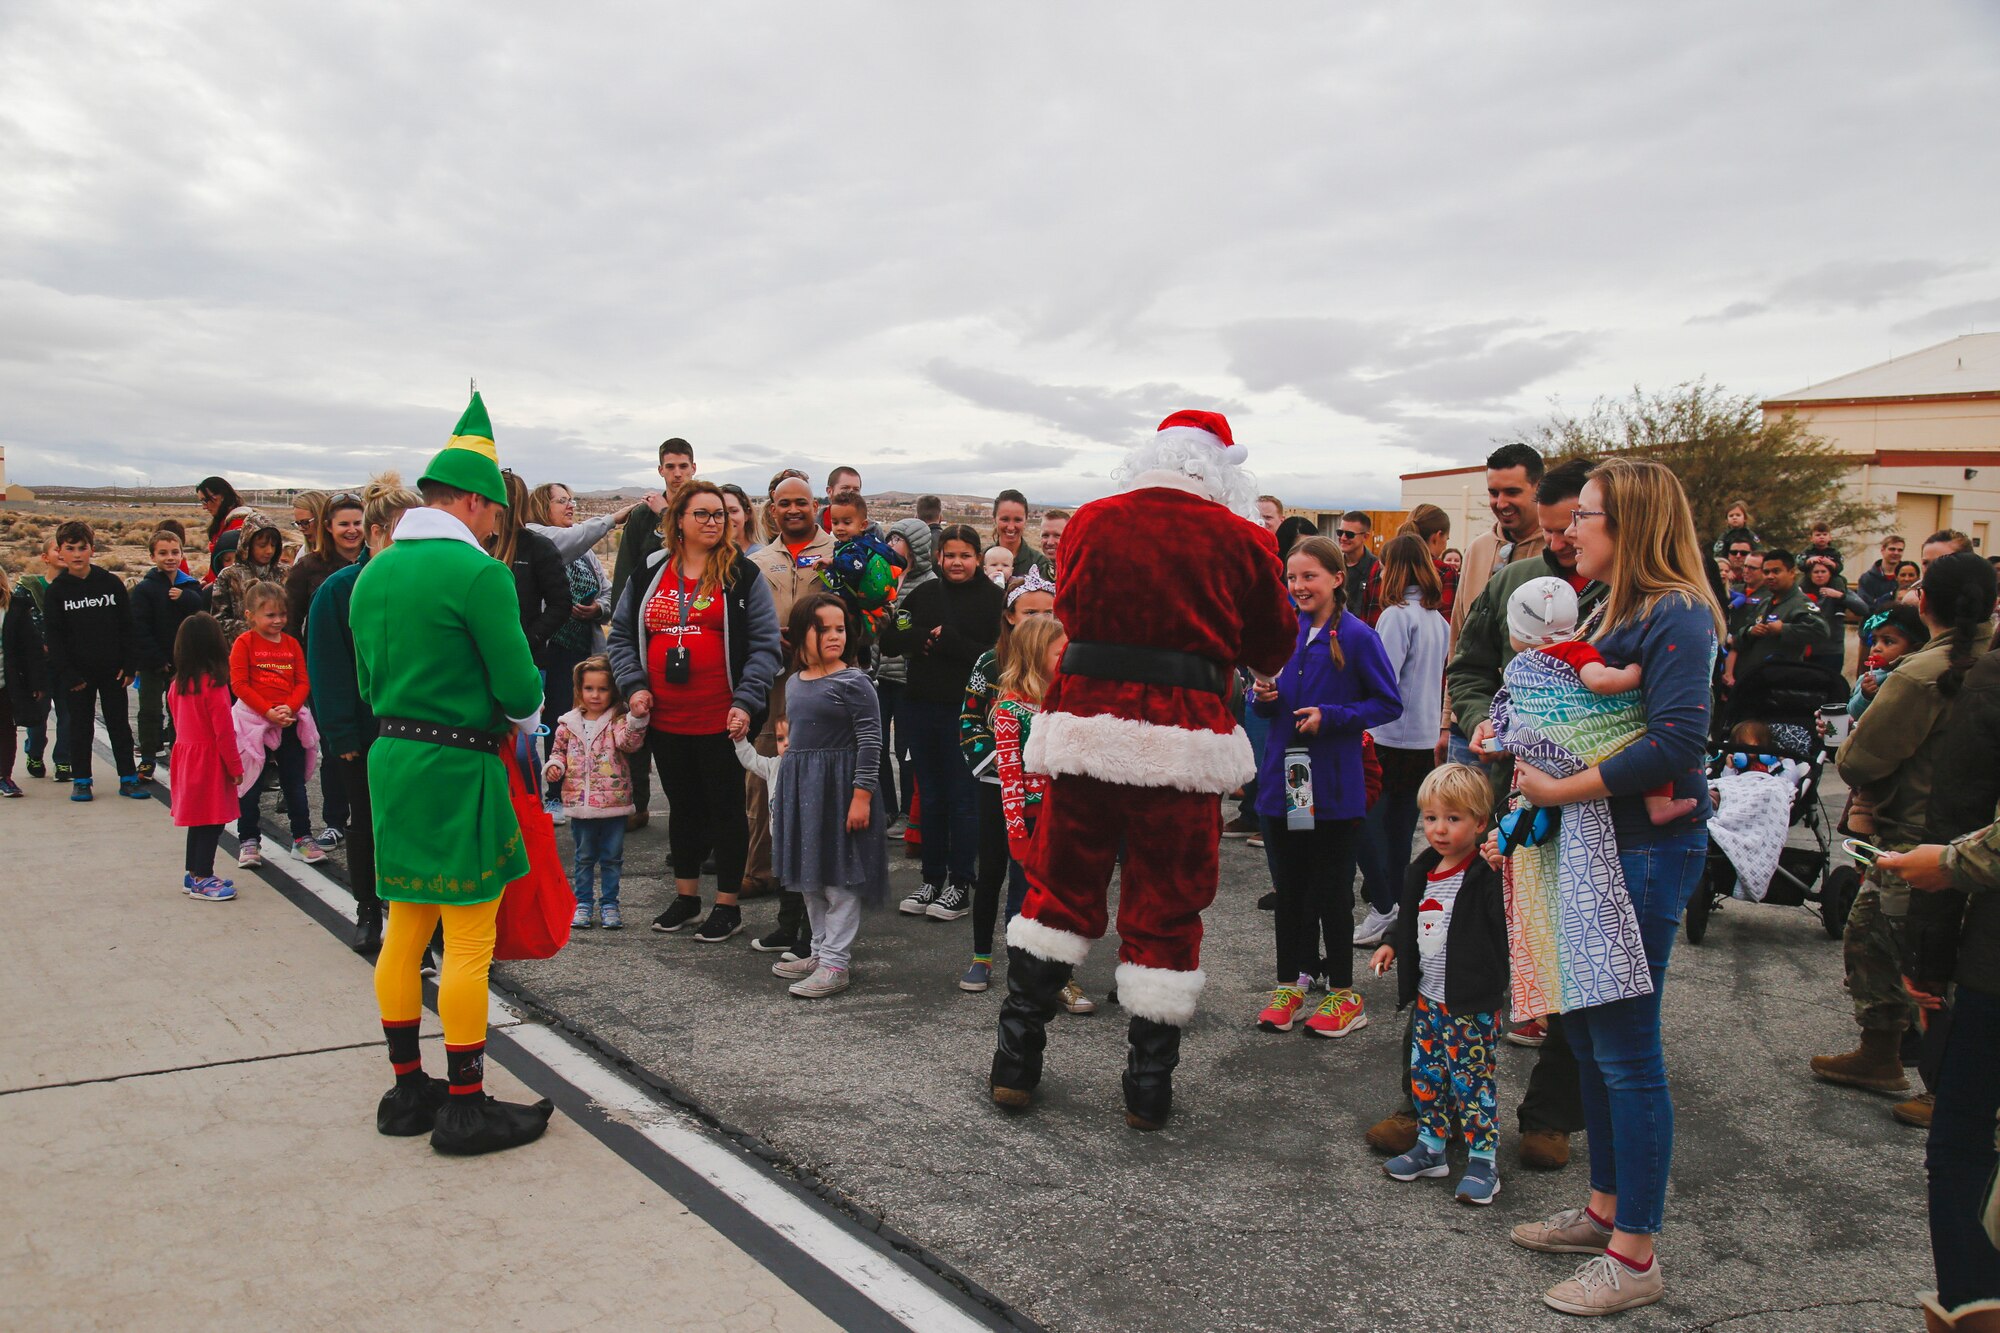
column 749, row 629
column 542, row 584
column 156, row 617
column 1475, row 943
column 969, row 614
column 89, row 628
column 27, row 663
column 1953, row 935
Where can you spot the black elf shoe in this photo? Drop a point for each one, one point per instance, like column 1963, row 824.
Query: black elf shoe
column 406, row 1112
column 468, row 1126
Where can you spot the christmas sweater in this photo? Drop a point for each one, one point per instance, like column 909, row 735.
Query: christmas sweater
column 1021, row 791
column 975, row 717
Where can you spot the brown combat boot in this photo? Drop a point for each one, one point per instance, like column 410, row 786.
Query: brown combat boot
column 1916, row 1111
column 1395, row 1135
column 1544, row 1149
column 1877, row 1064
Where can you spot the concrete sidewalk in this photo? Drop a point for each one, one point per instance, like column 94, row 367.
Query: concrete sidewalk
column 189, row 1090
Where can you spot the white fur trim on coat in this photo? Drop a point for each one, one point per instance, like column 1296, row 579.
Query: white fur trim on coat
column 1140, row 754
column 1157, row 993
column 1057, row 946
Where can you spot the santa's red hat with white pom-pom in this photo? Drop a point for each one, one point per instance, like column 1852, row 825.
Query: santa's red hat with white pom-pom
column 1210, row 428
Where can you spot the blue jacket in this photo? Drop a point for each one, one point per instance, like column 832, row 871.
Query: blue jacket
column 1675, row 647
column 1350, row 700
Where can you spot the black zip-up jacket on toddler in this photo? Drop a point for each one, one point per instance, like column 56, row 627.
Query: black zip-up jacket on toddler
column 156, row 617
column 969, row 614
column 1475, row 942
column 89, row 628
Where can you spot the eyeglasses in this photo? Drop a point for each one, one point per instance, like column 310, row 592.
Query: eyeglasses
column 1577, row 516
column 566, row 500
column 707, row 515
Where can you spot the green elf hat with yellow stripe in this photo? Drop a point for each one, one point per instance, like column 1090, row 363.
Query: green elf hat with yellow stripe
column 470, row 462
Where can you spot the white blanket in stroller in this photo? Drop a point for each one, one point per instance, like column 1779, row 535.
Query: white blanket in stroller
column 1750, row 825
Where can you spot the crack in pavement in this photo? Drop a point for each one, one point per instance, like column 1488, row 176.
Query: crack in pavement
column 1723, row 1320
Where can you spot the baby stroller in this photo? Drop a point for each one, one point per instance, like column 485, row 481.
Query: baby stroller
column 1787, row 697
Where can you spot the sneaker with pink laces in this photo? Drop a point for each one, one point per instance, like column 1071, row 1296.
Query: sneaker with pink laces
column 1341, row 1012
column 1283, row 1010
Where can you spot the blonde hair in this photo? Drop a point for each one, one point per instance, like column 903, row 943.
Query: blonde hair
column 257, row 594
column 1459, row 789
column 1654, row 552
column 507, row 535
column 586, row 667
column 541, row 503
column 1026, row 674
column 384, row 500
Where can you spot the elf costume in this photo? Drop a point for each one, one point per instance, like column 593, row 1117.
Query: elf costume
column 442, row 661
column 1164, row 592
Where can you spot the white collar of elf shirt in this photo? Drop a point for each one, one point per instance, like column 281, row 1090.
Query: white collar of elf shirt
column 1033, row 581
column 427, row 524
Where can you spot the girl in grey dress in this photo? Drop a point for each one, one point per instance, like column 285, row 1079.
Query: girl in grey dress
column 827, row 828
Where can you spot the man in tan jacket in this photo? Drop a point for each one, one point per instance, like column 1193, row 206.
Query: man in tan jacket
column 1512, row 471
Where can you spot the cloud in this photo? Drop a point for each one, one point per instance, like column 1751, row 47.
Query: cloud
column 1844, row 285
column 1965, row 317
column 1114, row 416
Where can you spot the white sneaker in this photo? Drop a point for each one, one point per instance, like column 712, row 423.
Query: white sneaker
column 795, row 969
column 556, row 812
column 823, row 982
column 1374, row 926
column 250, row 853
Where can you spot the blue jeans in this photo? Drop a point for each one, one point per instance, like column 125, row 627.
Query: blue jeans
column 1256, row 728
column 1959, row 1158
column 951, row 807
column 290, row 757
column 600, row 846
column 1459, row 750
column 1621, row 1065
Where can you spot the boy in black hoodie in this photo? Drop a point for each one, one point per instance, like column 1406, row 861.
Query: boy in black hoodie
column 166, row 596
column 1449, row 945
column 88, row 617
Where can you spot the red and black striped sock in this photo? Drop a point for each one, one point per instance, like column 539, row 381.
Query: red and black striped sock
column 404, row 1056
column 465, row 1066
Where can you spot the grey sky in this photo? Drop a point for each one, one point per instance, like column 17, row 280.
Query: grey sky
column 957, row 247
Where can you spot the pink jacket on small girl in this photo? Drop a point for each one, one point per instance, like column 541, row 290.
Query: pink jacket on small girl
column 590, row 759
column 256, row 734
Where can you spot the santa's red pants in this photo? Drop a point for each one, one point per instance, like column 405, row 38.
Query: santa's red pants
column 1169, row 839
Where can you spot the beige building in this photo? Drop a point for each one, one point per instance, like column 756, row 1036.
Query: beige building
column 1922, row 433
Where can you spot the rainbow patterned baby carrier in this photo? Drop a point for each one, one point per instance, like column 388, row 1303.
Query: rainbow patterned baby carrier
column 1572, row 936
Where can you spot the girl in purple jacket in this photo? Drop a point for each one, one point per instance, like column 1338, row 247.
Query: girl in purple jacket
column 1337, row 685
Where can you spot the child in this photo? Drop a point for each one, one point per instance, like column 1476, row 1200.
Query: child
column 998, row 565
column 267, row 670
column 1822, row 546
column 258, row 548
column 587, row 756
column 23, row 675
column 1337, row 684
column 861, row 571
column 39, row 707
column 1034, row 657
column 827, row 831
column 161, row 602
column 1450, row 951
column 1541, row 616
column 207, row 766
column 88, row 617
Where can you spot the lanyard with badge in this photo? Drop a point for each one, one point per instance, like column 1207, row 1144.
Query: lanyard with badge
column 679, row 661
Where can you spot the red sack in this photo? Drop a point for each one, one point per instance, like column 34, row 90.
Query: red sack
column 535, row 910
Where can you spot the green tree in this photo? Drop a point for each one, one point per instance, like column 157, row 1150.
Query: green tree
column 1723, row 450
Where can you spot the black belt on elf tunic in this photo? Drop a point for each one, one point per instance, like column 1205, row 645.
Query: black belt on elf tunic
column 1145, row 666
column 437, row 733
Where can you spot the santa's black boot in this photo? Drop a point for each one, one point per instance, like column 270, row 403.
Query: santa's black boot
column 1034, row 993
column 1153, row 1051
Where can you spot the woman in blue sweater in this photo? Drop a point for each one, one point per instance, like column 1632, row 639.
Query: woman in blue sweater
column 1634, row 533
column 1337, row 685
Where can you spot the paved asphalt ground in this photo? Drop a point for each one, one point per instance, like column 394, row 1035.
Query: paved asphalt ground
column 1794, row 1205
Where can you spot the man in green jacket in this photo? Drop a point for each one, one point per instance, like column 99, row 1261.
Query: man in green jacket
column 442, row 662
column 1783, row 626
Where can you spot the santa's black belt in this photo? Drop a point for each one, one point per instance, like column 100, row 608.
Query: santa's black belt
column 1145, row 666
column 437, row 733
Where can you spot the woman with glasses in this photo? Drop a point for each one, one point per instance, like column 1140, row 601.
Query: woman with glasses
column 308, row 510
column 695, row 649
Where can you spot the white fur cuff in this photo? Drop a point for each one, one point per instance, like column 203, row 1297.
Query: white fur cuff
column 1140, row 754
column 1057, row 946
column 1157, row 993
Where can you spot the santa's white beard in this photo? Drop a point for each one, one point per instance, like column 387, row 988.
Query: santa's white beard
column 1197, row 464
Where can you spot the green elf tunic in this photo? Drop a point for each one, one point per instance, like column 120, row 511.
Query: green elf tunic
column 438, row 638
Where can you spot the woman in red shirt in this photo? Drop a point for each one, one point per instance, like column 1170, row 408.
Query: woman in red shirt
column 695, row 647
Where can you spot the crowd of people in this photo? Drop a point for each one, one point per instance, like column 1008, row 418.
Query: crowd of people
column 1455, row 731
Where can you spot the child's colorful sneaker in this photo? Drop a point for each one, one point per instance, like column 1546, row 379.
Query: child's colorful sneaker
column 581, row 921
column 822, row 983
column 134, row 786
column 79, row 789
column 1480, row 1182
column 1283, row 1010
column 1419, row 1162
column 1074, row 1001
column 62, row 773
column 797, row 969
column 146, row 769
column 37, row 769
column 308, row 851
column 977, row 977
column 250, row 853
column 9, row 787
column 1531, row 1033
column 209, row 889
column 1341, row 1012
column 609, row 917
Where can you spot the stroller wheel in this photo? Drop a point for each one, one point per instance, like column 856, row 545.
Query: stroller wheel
column 1700, row 903
column 1836, row 900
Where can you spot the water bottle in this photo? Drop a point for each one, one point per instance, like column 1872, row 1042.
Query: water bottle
column 1298, row 788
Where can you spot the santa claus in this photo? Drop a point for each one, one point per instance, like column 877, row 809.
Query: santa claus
column 1164, row 589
